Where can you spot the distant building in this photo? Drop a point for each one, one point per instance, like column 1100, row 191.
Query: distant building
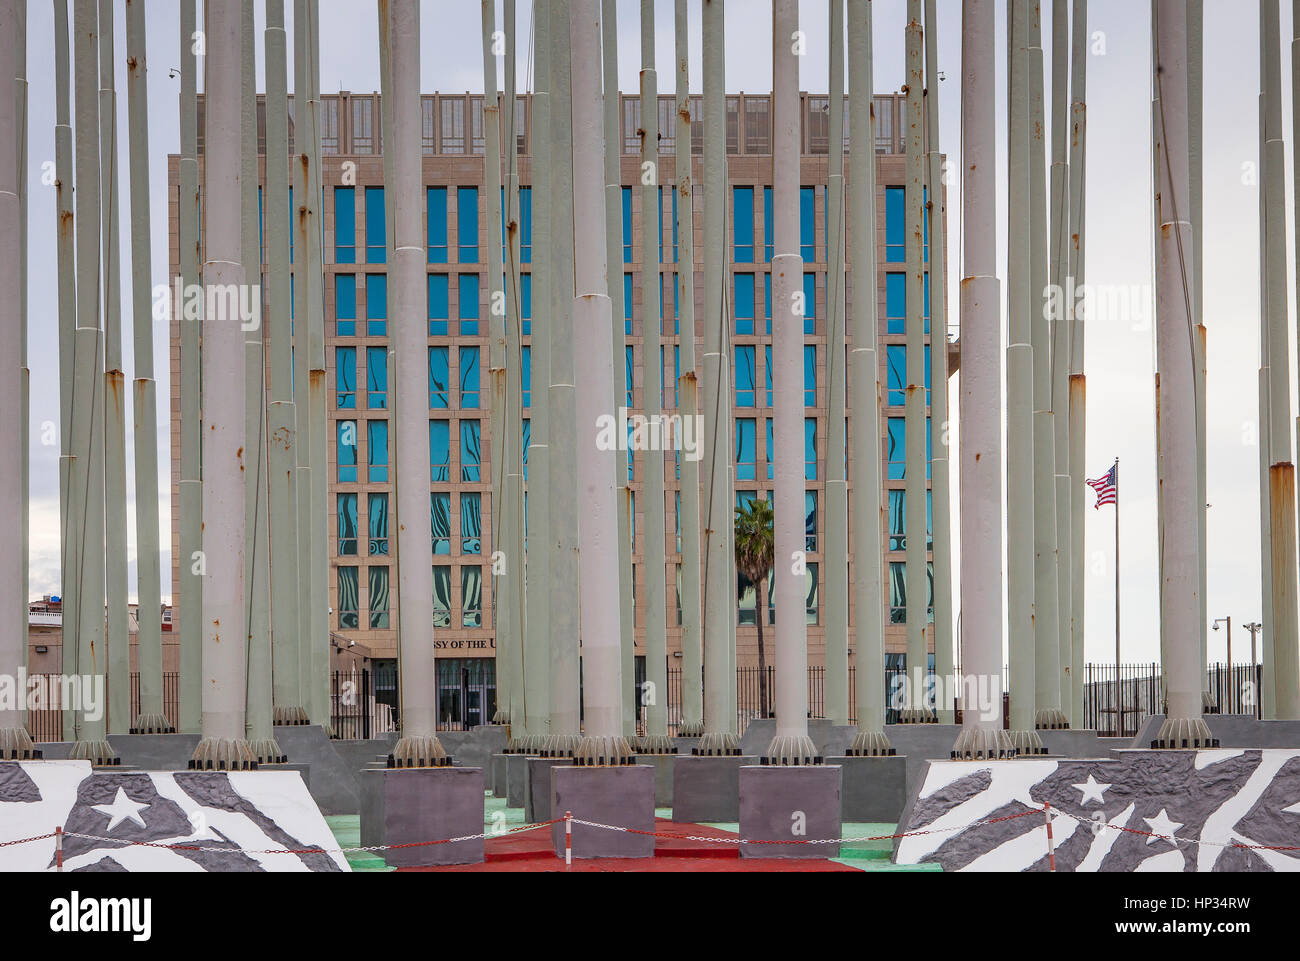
column 356, row 304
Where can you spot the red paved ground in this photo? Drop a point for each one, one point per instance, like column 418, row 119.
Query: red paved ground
column 531, row 852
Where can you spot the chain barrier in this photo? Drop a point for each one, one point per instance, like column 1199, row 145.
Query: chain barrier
column 569, row 821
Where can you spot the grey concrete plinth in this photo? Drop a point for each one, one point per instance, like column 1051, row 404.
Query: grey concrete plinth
column 1071, row 743
column 476, row 746
column 499, row 774
column 1232, row 730
column 359, row 754
column 759, row 733
column 617, row 796
column 836, row 739
column 663, row 768
column 685, row 745
column 920, row 743
column 707, row 789
column 516, row 780
column 537, row 803
column 798, row 804
column 873, row 789
column 333, row 785
column 423, row 804
column 155, row 752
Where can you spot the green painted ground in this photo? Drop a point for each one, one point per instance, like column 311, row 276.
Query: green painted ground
column 863, row 855
column 347, row 831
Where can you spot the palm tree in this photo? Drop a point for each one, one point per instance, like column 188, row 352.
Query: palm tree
column 755, row 548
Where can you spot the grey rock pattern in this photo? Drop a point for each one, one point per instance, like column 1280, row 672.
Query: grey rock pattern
column 1247, row 798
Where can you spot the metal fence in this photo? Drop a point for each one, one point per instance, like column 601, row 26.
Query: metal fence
column 1118, row 709
column 46, row 724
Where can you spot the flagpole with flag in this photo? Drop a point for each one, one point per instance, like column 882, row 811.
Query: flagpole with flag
column 1107, row 491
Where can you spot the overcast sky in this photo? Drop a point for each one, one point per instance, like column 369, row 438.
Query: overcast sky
column 1120, row 349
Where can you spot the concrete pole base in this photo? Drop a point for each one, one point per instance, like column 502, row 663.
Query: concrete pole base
column 499, row 778
column 1208, row 705
column 501, row 717
column 290, row 717
column 983, row 744
column 419, row 750
column 655, row 744
column 517, row 780
column 870, row 744
column 788, row 751
column 604, row 752
column 152, row 724
column 1181, row 733
column 717, row 745
column 223, row 754
column 795, row 805
column 268, row 751
column 690, row 729
column 917, row 715
column 1026, row 743
column 1051, row 719
column 98, row 753
column 560, row 745
column 16, row 745
column 707, row 789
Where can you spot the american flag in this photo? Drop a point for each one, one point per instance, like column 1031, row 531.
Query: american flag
column 1106, row 488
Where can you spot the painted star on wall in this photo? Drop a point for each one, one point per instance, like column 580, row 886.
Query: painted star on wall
column 1092, row 790
column 1161, row 824
column 122, row 809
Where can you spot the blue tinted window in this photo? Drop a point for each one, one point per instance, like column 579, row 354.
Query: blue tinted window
column 293, row 224
column 810, row 376
column 627, row 304
column 771, row 446
column 377, row 378
column 767, row 302
column 345, row 374
column 526, row 224
column 807, row 224
column 440, row 519
column 896, row 303
column 376, row 236
column 469, row 378
column 746, row 451
column 345, row 225
column 437, row 201
column 439, row 305
column 469, row 305
column 743, row 205
column 810, row 304
column 627, row 225
column 810, row 522
column 377, row 445
column 810, row 448
column 467, row 223
column 629, row 370
column 896, row 448
column 345, row 304
column 376, row 305
column 439, row 374
column 526, row 304
column 470, row 456
column 745, row 377
column 896, row 375
column 768, row 221
column 347, row 451
column 526, row 376
column 440, row 449
column 895, row 225
column 767, row 351
column 744, row 304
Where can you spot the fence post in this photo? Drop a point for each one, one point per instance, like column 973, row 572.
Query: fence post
column 58, row 849
column 568, row 839
column 1051, row 845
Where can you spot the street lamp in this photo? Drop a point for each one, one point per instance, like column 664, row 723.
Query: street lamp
column 1254, row 629
column 1228, row 621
